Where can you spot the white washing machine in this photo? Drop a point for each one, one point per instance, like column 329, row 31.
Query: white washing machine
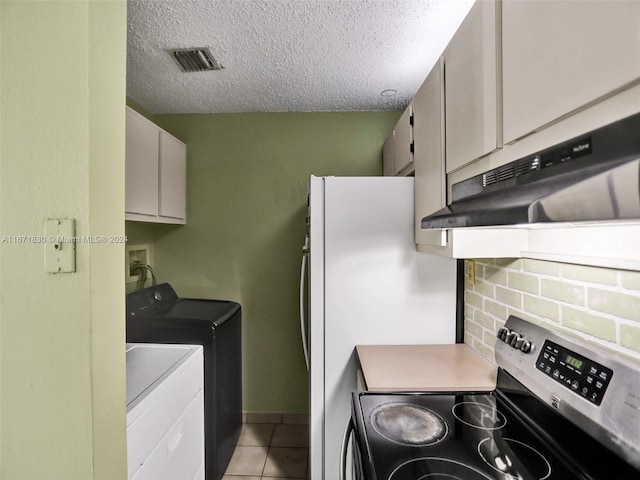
column 165, row 412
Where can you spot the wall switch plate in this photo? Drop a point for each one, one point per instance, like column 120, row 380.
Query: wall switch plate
column 60, row 245
column 470, row 272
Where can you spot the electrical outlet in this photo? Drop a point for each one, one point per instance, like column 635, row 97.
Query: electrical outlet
column 470, row 272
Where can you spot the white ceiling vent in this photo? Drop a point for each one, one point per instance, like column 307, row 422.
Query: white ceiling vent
column 195, row 59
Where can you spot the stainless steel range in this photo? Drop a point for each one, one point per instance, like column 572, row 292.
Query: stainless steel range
column 562, row 409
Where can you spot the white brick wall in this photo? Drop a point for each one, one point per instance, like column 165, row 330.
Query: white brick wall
column 599, row 304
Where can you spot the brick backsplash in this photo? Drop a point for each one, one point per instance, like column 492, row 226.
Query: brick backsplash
column 599, row 304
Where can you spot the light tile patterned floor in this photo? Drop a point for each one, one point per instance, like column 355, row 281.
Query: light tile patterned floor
column 270, row 450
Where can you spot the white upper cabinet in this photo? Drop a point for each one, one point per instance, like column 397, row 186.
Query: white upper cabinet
column 428, row 157
column 397, row 151
column 403, row 142
column 472, row 87
column 173, row 177
column 560, row 56
column 520, row 76
column 141, row 165
column 155, row 173
column 388, row 156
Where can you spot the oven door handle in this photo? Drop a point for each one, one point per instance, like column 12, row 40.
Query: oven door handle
column 343, row 449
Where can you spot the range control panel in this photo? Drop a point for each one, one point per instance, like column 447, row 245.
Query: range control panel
column 577, row 373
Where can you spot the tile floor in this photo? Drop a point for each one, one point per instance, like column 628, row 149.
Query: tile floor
column 269, row 449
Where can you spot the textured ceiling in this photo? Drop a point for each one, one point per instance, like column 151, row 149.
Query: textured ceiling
column 286, row 55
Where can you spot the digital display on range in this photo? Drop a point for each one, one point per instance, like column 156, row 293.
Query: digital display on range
column 581, row 375
column 574, row 362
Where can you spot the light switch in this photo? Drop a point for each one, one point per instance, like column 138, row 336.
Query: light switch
column 60, row 245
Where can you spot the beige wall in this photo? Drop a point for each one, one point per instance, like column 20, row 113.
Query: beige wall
column 599, row 304
column 62, row 155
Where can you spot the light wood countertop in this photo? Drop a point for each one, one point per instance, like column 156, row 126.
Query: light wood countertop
column 425, row 368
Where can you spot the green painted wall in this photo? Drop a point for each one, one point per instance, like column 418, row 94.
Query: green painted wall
column 247, row 184
column 62, row 378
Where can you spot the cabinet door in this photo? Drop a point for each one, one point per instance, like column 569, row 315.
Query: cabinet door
column 141, row 165
column 173, row 177
column 559, row 56
column 428, row 137
column 403, row 140
column 388, row 156
column 471, row 87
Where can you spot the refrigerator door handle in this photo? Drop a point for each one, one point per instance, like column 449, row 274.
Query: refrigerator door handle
column 303, row 276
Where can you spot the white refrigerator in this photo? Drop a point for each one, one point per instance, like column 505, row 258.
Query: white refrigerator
column 367, row 285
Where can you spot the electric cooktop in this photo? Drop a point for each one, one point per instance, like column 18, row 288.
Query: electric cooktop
column 572, row 414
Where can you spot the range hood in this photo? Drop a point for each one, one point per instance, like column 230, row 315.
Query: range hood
column 594, row 177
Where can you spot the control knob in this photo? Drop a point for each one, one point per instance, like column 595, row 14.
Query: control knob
column 519, row 342
column 513, row 338
column 502, row 333
column 526, row 346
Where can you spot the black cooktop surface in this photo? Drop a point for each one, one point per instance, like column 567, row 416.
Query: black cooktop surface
column 458, row 437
